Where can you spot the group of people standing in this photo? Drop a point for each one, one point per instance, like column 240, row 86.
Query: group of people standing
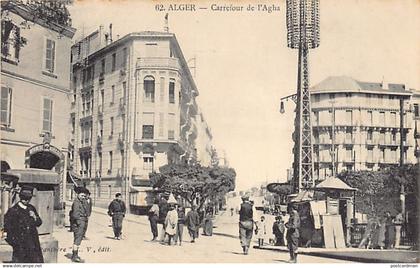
column 247, row 223
column 383, row 232
column 172, row 219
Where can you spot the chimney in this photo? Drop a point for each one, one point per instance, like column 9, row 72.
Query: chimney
column 166, row 28
column 110, row 33
column 384, row 83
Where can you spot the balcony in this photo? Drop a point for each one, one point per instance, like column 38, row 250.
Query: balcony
column 371, row 142
column 348, row 160
column 99, row 141
column 159, row 63
column 387, row 161
column 123, row 71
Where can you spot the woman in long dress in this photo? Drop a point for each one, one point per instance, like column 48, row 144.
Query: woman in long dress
column 171, row 223
column 208, row 224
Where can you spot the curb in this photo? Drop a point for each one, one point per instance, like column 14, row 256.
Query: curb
column 337, row 256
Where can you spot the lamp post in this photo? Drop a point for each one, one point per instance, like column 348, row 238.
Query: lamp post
column 302, row 34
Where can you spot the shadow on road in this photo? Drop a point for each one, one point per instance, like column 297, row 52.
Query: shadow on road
column 233, row 252
column 227, row 235
column 283, row 261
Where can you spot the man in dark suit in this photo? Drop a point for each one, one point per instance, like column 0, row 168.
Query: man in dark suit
column 246, row 223
column 292, row 234
column 79, row 216
column 116, row 210
column 20, row 223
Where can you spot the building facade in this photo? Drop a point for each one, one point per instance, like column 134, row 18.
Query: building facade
column 361, row 125
column 133, row 110
column 35, row 67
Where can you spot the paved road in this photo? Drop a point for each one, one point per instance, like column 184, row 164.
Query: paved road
column 222, row 247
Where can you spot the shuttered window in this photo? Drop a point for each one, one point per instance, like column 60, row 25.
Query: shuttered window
column 6, row 105
column 50, row 56
column 47, row 115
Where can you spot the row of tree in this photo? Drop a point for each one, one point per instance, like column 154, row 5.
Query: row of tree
column 195, row 183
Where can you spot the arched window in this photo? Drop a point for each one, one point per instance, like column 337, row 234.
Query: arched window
column 149, row 89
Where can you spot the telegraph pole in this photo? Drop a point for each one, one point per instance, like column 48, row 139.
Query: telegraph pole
column 302, row 34
column 333, row 138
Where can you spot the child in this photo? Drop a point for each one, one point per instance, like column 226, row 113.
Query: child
column 261, row 231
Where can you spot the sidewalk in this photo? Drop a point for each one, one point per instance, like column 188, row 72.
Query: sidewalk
column 356, row 254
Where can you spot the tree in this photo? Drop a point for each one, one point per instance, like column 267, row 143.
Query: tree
column 194, row 182
column 379, row 191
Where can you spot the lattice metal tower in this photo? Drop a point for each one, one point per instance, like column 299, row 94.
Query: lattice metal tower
column 303, row 34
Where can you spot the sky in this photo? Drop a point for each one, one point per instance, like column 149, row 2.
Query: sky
column 243, row 65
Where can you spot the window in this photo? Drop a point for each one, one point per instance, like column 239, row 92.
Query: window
column 416, row 110
column 11, row 40
column 122, row 161
column 101, row 128
column 317, row 97
column 348, row 95
column 171, row 126
column 100, row 163
column 370, row 118
column 394, row 137
column 102, row 98
column 370, row 155
column 349, row 154
column 369, row 135
column 6, row 106
column 349, row 117
column 124, row 58
column 149, row 89
column 349, row 135
column 112, row 94
column 162, row 89
column 114, row 61
column 382, row 118
column 112, row 126
column 393, row 119
column 331, row 95
column 148, row 163
column 148, row 131
column 172, row 91
column 50, row 56
column 103, row 66
column 161, row 124
column 110, row 163
column 47, row 115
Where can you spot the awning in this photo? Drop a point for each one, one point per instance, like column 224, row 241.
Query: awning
column 333, row 183
column 303, row 197
column 34, row 175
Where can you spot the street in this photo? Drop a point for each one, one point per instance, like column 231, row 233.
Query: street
column 222, row 247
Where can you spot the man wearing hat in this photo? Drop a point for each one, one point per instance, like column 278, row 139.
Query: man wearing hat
column 292, row 234
column 79, row 216
column 116, row 210
column 20, row 223
column 246, row 223
column 192, row 220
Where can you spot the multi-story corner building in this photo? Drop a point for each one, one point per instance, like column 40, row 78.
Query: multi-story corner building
column 360, row 125
column 35, row 68
column 133, row 110
column 204, row 141
column 416, row 113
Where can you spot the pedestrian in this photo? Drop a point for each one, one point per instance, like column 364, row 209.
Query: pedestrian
column 208, row 224
column 382, row 233
column 292, row 234
column 261, row 231
column 153, row 218
column 399, row 220
column 181, row 223
column 88, row 201
column 171, row 223
column 79, row 214
column 389, row 231
column 278, row 231
column 163, row 211
column 20, row 224
column 192, row 221
column 246, row 223
column 116, row 210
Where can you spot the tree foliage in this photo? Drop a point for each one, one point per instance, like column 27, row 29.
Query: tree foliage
column 194, row 182
column 379, row 191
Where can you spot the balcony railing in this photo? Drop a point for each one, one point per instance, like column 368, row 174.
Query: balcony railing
column 158, row 62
